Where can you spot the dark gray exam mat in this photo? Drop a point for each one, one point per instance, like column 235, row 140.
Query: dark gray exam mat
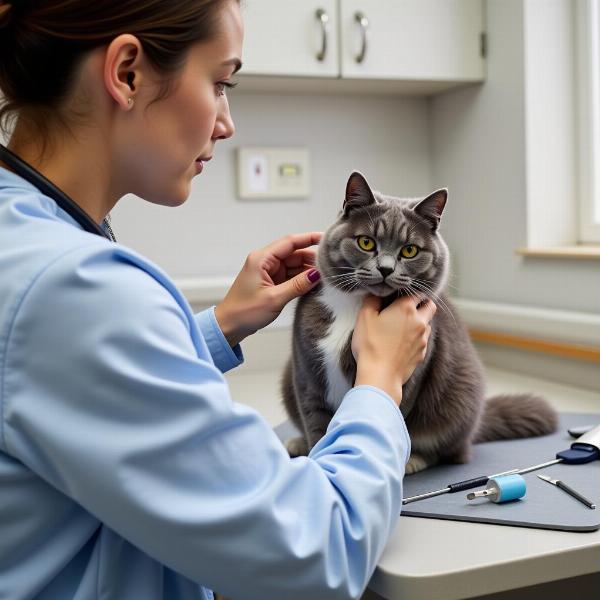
column 544, row 506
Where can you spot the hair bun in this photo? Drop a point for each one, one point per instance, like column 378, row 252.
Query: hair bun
column 4, row 14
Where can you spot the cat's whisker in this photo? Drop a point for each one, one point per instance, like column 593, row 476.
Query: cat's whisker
column 346, row 283
column 339, row 275
column 435, row 296
column 354, row 287
column 430, row 295
column 343, row 286
column 357, row 284
column 422, row 285
column 426, row 285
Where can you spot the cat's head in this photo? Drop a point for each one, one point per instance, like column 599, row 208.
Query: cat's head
column 385, row 246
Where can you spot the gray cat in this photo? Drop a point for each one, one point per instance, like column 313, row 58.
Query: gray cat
column 388, row 246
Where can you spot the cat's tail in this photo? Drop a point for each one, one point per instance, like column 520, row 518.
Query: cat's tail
column 511, row 416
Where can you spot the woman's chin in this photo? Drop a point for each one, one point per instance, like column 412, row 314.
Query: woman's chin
column 173, row 198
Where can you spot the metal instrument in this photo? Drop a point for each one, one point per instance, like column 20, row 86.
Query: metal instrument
column 563, row 486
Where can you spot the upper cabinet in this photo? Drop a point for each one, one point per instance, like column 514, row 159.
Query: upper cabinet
column 291, row 37
column 418, row 46
column 412, row 39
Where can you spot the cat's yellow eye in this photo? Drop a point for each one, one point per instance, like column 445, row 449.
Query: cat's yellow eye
column 366, row 243
column 409, row 251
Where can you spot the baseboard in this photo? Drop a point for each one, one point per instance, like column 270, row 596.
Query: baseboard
column 581, row 374
column 570, row 327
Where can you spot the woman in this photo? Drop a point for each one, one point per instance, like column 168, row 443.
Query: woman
column 126, row 470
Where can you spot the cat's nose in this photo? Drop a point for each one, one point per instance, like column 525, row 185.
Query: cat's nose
column 385, row 271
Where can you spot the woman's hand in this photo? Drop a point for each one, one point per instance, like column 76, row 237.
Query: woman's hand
column 389, row 344
column 269, row 279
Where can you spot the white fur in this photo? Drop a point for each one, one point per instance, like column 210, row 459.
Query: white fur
column 344, row 308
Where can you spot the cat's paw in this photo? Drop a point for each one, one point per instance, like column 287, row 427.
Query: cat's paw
column 415, row 464
column 297, row 446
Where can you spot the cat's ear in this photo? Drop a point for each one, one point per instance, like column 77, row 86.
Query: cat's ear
column 432, row 207
column 358, row 193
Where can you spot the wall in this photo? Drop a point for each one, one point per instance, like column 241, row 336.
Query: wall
column 387, row 138
column 480, row 152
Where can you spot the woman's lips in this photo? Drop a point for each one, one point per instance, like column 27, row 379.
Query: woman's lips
column 200, row 163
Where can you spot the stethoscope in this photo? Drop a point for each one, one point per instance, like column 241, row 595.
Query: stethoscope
column 27, row 172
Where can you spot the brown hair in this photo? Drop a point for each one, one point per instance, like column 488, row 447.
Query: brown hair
column 42, row 42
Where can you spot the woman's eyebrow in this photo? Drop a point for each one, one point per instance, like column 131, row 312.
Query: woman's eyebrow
column 233, row 61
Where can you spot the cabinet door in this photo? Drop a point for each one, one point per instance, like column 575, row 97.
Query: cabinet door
column 433, row 40
column 284, row 37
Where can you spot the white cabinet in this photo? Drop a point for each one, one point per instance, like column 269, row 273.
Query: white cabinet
column 438, row 40
column 291, row 37
column 417, row 46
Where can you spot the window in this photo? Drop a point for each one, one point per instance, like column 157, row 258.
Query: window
column 588, row 61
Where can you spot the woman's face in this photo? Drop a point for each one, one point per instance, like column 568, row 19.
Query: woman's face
column 162, row 154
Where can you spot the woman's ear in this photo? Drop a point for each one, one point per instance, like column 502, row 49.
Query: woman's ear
column 122, row 69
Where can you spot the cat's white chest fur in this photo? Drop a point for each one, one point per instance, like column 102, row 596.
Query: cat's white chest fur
column 344, row 309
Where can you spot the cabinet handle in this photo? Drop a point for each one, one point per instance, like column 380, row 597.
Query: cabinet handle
column 363, row 22
column 323, row 18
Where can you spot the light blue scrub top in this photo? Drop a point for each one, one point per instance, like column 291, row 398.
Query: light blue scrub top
column 127, row 472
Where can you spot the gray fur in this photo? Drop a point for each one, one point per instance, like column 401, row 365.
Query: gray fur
column 444, row 400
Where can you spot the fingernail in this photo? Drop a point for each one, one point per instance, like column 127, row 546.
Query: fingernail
column 313, row 275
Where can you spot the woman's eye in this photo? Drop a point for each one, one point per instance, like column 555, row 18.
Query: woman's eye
column 409, row 251
column 221, row 86
column 366, row 243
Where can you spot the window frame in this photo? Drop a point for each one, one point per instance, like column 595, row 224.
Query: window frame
column 588, row 127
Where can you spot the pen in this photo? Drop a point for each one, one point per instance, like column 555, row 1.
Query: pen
column 563, row 486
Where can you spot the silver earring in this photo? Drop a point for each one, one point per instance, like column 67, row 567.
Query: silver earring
column 130, row 101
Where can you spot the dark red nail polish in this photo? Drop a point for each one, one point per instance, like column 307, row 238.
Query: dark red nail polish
column 313, row 275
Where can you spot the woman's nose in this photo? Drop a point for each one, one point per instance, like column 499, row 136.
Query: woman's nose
column 224, row 126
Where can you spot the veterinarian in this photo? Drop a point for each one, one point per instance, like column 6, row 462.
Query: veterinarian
column 126, row 470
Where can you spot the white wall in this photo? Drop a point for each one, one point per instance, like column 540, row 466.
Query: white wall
column 386, row 138
column 479, row 151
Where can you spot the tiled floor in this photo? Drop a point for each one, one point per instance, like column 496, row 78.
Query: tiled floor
column 260, row 389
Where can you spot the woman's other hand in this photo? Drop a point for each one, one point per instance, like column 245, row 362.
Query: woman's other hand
column 389, row 344
column 269, row 279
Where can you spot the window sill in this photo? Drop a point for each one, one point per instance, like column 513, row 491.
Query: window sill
column 582, row 252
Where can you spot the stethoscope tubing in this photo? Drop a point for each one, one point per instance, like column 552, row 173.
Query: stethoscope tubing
column 46, row 187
